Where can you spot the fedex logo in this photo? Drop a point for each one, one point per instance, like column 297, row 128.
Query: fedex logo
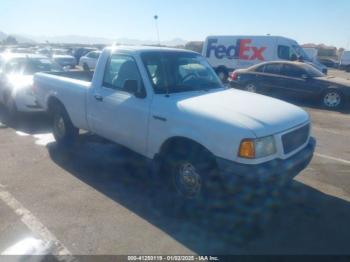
column 242, row 50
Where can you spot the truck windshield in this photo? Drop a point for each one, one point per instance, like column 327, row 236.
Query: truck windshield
column 173, row 72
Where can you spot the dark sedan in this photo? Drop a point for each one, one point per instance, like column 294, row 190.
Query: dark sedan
column 293, row 79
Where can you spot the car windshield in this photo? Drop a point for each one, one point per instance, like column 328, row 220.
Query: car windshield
column 173, row 72
column 30, row 66
column 313, row 72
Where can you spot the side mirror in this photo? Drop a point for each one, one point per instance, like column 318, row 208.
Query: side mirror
column 132, row 86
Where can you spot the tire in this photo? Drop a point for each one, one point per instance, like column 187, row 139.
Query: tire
column 192, row 184
column 64, row 131
column 332, row 99
column 250, row 87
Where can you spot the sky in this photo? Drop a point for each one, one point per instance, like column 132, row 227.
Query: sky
column 315, row 21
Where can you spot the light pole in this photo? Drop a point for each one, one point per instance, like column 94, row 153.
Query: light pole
column 157, row 29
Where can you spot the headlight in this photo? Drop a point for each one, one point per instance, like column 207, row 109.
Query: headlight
column 257, row 148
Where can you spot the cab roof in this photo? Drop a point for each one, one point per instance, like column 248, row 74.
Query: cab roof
column 141, row 49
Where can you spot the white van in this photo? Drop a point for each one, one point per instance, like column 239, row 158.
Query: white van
column 228, row 53
column 345, row 61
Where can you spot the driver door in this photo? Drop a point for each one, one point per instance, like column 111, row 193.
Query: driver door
column 114, row 112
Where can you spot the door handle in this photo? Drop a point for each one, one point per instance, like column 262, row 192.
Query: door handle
column 98, row 98
column 160, row 118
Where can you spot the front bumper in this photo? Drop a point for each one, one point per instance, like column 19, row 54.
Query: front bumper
column 275, row 170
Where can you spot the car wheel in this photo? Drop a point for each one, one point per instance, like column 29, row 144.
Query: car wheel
column 250, row 87
column 192, row 182
column 64, row 131
column 332, row 99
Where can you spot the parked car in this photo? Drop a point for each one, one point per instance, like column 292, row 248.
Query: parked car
column 16, row 81
column 79, row 52
column 228, row 53
column 293, row 79
column 45, row 52
column 65, row 60
column 345, row 61
column 169, row 106
column 329, row 62
column 89, row 60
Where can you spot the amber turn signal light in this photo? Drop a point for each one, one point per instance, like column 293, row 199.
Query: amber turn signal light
column 247, row 149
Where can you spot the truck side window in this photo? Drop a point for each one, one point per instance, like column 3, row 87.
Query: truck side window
column 284, row 52
column 120, row 68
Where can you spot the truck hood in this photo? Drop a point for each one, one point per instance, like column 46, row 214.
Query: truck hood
column 261, row 114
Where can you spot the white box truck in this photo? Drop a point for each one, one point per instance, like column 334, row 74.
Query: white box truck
column 228, row 53
column 345, row 61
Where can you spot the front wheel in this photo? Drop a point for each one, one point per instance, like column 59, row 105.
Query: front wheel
column 332, row 99
column 193, row 185
column 63, row 129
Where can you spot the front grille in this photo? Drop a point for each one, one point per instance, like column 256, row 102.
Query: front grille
column 295, row 139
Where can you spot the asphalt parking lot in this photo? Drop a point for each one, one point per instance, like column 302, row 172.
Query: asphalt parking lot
column 97, row 199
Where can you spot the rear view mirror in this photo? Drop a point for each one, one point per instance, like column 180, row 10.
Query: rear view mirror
column 132, row 86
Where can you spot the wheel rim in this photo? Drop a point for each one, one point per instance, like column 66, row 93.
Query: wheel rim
column 60, row 127
column 332, row 99
column 187, row 181
column 250, row 88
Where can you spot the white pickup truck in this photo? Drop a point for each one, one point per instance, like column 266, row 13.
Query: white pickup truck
column 169, row 106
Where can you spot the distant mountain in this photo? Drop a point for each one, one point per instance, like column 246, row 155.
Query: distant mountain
column 77, row 39
column 19, row 38
column 2, row 36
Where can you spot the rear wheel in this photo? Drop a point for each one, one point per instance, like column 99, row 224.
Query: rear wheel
column 63, row 129
column 332, row 99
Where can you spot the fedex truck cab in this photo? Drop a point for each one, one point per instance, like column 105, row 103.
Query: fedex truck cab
column 228, row 53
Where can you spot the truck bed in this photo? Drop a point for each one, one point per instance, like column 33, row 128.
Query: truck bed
column 78, row 75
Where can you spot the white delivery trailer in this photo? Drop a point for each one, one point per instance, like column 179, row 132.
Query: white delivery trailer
column 228, row 53
column 345, row 61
